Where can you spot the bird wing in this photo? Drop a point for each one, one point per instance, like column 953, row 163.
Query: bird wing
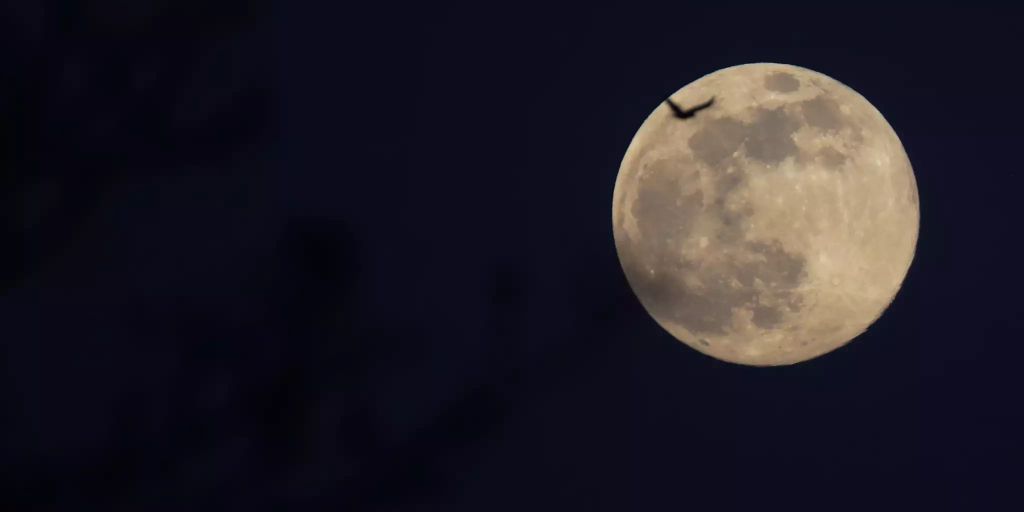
column 704, row 105
column 675, row 108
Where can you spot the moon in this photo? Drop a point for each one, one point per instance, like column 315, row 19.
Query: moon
column 773, row 227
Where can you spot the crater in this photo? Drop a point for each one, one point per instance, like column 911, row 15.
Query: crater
column 781, row 82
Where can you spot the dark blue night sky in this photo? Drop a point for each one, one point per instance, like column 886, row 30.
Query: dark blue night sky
column 305, row 257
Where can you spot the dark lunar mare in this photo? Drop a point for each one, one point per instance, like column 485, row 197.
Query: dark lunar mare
column 665, row 220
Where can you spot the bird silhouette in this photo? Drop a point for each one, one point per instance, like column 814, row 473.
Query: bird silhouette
column 682, row 113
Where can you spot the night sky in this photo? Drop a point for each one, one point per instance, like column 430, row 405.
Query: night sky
column 289, row 256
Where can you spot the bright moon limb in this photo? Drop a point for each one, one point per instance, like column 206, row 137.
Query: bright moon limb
column 774, row 226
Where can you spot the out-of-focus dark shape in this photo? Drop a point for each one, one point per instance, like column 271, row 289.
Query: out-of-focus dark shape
column 97, row 91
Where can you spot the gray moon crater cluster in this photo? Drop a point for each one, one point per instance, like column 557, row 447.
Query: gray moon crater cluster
column 773, row 227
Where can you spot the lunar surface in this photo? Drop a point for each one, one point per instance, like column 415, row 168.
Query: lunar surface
column 774, row 226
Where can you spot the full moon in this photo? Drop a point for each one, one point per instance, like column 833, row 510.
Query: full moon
column 772, row 227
